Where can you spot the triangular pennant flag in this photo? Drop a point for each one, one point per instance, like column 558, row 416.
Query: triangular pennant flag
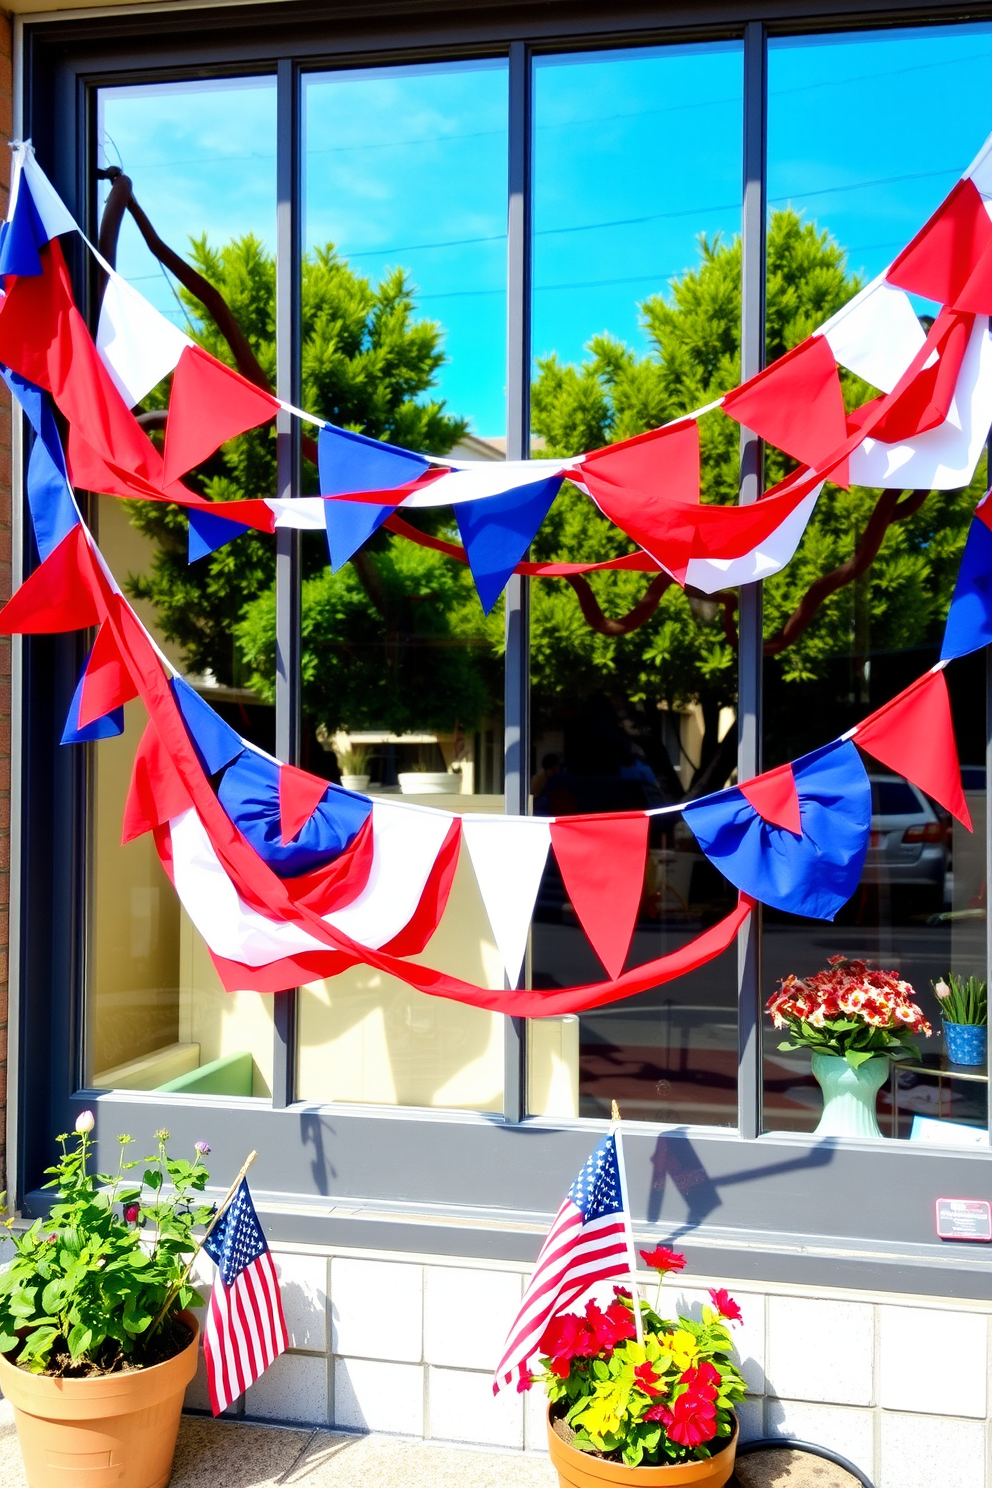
column 775, row 798
column 25, row 234
column 107, row 727
column 209, row 404
column 796, row 404
column 508, row 855
column 157, row 793
column 56, row 596
column 665, row 460
column 50, row 497
column 926, row 401
column 602, row 866
column 106, row 683
column 876, row 334
column 215, row 742
column 299, row 796
column 914, row 736
column 969, row 619
column 947, row 250
column 137, row 345
column 498, row 530
column 350, row 524
column 51, row 208
column 208, row 532
column 353, row 462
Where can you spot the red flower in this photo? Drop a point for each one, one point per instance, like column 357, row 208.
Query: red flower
column 704, row 1375
column 658, row 1413
column 725, row 1305
column 564, row 1338
column 525, row 1381
column 662, row 1259
column 607, row 1329
column 693, row 1420
column 622, row 1320
column 131, row 1213
column 646, row 1379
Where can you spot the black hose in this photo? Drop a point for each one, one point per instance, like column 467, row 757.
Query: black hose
column 788, row 1444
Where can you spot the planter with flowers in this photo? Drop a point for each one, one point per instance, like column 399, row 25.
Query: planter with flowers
column 855, row 1020
column 641, row 1413
column 97, row 1346
column 964, row 1014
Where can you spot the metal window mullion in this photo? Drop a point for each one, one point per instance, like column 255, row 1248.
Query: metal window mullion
column 288, row 576
column 749, row 615
column 516, row 683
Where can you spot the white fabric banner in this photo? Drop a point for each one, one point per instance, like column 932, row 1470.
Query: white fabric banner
column 876, row 335
column 137, row 345
column 508, row 855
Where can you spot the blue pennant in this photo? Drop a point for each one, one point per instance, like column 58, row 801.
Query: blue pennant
column 814, row 874
column 215, row 742
column 24, row 234
column 969, row 619
column 107, row 727
column 353, row 462
column 249, row 793
column 208, row 532
column 50, row 499
column 498, row 530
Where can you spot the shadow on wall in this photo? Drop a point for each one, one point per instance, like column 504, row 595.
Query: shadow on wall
column 676, row 1160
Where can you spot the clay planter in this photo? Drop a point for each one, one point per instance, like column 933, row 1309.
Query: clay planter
column 580, row 1470
column 115, row 1431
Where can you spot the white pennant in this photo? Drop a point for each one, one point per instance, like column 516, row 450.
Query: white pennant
column 137, row 345
column 508, row 854
column 876, row 335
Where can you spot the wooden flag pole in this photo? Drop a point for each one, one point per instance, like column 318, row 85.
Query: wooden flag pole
column 616, row 1131
column 218, row 1215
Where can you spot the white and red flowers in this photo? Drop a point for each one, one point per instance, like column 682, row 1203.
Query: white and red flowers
column 852, row 1010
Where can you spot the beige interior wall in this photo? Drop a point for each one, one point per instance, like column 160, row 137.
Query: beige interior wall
column 220, row 1022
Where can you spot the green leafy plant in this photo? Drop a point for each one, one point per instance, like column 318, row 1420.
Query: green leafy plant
column 96, row 1287
column 851, row 1010
column 666, row 1399
column 962, row 999
column 353, row 761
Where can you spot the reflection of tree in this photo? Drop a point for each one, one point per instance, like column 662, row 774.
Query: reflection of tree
column 874, row 571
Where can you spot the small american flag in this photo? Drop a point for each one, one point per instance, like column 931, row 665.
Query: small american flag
column 245, row 1329
column 590, row 1241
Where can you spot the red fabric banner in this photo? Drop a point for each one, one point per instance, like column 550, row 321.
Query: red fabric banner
column 914, row 736
column 796, row 404
column 775, row 798
column 209, row 404
column 300, row 793
column 56, row 596
column 602, row 865
column 106, row 683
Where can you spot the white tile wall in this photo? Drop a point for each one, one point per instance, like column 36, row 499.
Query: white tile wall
column 926, row 1452
column 843, row 1429
column 820, row 1350
column 294, row 1388
column 372, row 1396
column 467, row 1315
column 377, row 1309
column 462, row 1408
column 912, row 1336
column 303, row 1288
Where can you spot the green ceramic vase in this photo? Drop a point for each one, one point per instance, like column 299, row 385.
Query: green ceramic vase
column 849, row 1095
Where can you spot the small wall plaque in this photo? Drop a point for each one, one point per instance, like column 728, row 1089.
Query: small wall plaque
column 964, row 1219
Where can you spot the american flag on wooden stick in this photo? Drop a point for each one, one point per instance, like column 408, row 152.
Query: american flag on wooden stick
column 245, row 1329
column 589, row 1242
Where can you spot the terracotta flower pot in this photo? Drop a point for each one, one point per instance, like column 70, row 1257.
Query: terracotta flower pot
column 580, row 1470
column 114, row 1431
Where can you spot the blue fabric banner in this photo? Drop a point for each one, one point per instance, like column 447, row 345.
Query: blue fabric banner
column 969, row 619
column 498, row 530
column 249, row 793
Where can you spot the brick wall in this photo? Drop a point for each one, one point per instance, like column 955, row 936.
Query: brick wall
column 6, row 131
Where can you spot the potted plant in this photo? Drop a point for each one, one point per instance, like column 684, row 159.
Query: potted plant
column 655, row 1411
column 965, row 1016
column 354, row 766
column 855, row 1020
column 96, row 1344
column 419, row 781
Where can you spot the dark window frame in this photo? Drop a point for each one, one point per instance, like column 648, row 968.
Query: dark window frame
column 745, row 1203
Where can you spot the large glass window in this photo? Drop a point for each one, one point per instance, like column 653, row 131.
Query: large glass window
column 837, row 217
column 637, row 211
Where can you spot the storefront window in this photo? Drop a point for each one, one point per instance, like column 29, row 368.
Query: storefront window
column 637, row 208
column 836, row 219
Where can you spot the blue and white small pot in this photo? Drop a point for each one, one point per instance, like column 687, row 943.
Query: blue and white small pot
column 967, row 1043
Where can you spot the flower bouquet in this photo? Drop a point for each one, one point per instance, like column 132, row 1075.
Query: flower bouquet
column 855, row 1019
column 964, row 1014
column 666, row 1401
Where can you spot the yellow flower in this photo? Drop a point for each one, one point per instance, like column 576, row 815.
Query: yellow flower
column 682, row 1347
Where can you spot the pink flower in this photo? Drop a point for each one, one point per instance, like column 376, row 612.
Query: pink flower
column 725, row 1305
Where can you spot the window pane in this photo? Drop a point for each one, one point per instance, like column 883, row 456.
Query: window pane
column 838, row 216
column 201, row 157
column 636, row 314
column 405, row 275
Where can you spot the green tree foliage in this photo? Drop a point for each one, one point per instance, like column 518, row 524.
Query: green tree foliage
column 368, row 364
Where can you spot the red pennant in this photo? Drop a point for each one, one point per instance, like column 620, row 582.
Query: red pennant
column 156, row 793
column 664, row 460
column 926, row 400
column 796, row 404
column 57, row 595
column 947, row 251
column 775, row 798
column 299, row 796
column 209, row 404
column 107, row 682
column 914, row 735
column 602, row 865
